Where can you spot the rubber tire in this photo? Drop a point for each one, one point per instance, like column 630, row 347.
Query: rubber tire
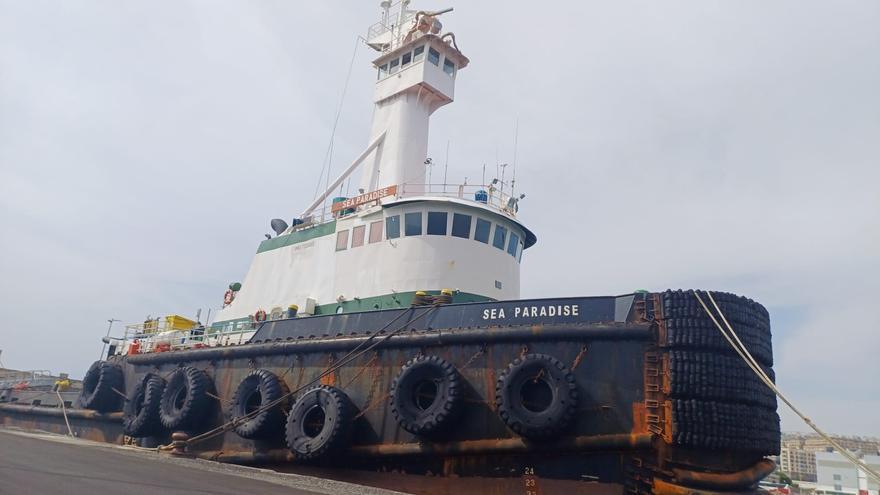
column 338, row 416
column 556, row 417
column 446, row 404
column 196, row 405
column 142, row 408
column 98, row 388
column 271, row 388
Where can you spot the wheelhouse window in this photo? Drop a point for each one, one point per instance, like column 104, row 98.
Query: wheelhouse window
column 405, row 59
column 437, row 222
column 433, row 56
column 461, row 225
column 521, row 249
column 413, row 224
column 342, row 240
column 449, row 67
column 392, row 227
column 500, row 236
column 418, row 53
column 513, row 244
column 383, row 70
column 481, row 232
column 357, row 236
column 376, row 232
column 393, row 66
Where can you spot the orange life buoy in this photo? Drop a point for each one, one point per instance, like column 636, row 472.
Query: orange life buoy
column 134, row 348
column 228, row 297
column 260, row 315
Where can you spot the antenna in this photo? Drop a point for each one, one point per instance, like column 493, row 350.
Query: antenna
column 446, row 166
column 515, row 146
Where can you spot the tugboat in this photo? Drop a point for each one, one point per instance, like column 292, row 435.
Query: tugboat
column 383, row 339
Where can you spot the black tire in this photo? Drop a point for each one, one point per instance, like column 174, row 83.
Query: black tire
column 259, row 388
column 185, row 400
column 426, row 395
column 536, row 396
column 319, row 422
column 142, row 408
column 100, row 387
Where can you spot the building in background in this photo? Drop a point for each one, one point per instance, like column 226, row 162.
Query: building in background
column 797, row 463
column 836, row 475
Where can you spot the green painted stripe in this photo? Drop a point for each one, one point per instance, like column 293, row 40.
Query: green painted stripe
column 297, row 237
column 387, row 301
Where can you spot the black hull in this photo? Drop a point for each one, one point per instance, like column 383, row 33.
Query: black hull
column 661, row 401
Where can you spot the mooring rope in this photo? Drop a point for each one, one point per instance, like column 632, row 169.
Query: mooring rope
column 750, row 361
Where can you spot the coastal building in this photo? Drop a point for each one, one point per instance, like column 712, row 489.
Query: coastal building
column 836, row 475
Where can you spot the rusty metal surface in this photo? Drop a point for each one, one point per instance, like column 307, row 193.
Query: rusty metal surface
column 726, row 481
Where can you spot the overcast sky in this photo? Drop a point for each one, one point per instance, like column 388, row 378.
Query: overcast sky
column 727, row 145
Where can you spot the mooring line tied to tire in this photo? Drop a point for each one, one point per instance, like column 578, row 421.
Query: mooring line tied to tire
column 319, row 422
column 537, row 396
column 185, row 401
column 141, row 412
column 258, row 389
column 426, row 395
column 98, row 387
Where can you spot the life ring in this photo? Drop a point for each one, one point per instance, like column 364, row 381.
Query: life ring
column 259, row 388
column 426, row 395
column 536, row 396
column 101, row 387
column 185, row 400
column 319, row 422
column 141, row 411
column 228, row 297
column 260, row 315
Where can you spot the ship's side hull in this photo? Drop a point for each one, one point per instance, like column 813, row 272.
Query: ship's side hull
column 660, row 404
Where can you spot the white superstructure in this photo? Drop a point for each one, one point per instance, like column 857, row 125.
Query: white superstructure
column 401, row 234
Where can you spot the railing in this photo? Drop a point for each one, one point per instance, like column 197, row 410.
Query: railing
column 158, row 336
column 492, row 195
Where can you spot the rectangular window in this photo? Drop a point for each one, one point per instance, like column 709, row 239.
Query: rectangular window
column 393, row 66
column 413, row 223
column 500, row 236
column 342, row 240
column 836, row 477
column 433, row 56
column 521, row 249
column 376, row 232
column 357, row 236
column 383, row 70
column 461, row 225
column 406, row 59
column 437, row 222
column 449, row 67
column 418, row 53
column 838, row 488
column 481, row 233
column 392, row 227
column 513, row 245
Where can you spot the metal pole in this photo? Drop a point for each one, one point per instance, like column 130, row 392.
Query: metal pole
column 104, row 347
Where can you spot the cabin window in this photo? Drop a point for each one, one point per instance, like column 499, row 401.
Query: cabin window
column 500, row 236
column 406, row 59
column 461, row 225
column 376, row 232
column 418, row 53
column 448, row 67
column 412, row 223
column 392, row 227
column 383, row 70
column 342, row 240
column 513, row 244
column 393, row 66
column 519, row 256
column 433, row 56
column 481, row 233
column 437, row 222
column 357, row 236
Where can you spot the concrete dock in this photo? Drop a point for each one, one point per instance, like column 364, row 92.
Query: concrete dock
column 39, row 464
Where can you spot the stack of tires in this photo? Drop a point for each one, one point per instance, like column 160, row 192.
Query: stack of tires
column 717, row 401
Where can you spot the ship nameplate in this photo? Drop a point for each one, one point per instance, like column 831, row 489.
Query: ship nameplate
column 364, row 198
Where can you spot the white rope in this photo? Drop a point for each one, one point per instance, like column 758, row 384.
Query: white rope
column 750, row 361
column 64, row 411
